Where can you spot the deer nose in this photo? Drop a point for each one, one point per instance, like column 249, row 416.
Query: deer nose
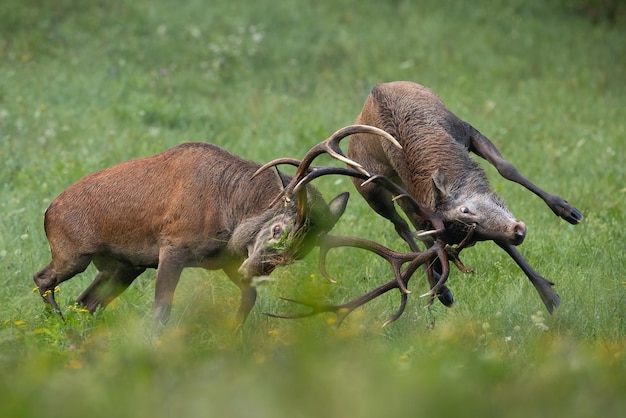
column 519, row 232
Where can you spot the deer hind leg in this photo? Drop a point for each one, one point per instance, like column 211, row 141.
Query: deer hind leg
column 109, row 283
column 248, row 294
column 58, row 271
column 484, row 148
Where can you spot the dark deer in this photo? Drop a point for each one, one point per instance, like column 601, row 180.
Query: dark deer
column 194, row 205
column 435, row 167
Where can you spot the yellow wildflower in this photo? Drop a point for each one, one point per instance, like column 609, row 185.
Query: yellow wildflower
column 74, row 364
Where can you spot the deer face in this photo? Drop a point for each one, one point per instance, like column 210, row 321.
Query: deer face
column 463, row 209
column 285, row 237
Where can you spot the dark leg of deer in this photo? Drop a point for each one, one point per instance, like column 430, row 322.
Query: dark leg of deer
column 107, row 285
column 483, row 147
column 543, row 286
column 381, row 201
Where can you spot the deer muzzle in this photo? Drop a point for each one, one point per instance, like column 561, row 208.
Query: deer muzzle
column 519, row 232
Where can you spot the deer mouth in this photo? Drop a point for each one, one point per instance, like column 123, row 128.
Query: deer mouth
column 456, row 232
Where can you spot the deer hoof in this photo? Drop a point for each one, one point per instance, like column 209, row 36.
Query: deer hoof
column 574, row 217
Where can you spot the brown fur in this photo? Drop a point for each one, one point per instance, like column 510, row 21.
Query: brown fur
column 428, row 133
column 434, row 166
column 194, row 205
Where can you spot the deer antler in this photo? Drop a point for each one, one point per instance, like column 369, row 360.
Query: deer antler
column 329, row 146
column 395, row 259
column 401, row 278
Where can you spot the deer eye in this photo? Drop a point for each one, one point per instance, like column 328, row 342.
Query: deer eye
column 464, row 209
column 277, row 232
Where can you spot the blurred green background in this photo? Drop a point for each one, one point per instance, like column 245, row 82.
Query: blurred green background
column 87, row 84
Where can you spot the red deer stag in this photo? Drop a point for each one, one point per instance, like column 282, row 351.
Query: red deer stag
column 194, row 205
column 434, row 166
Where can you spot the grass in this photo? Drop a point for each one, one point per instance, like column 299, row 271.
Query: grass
column 86, row 85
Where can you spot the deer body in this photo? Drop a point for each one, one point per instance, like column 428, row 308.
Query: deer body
column 436, row 169
column 194, row 205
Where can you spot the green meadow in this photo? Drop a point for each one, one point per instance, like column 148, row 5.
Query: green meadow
column 85, row 85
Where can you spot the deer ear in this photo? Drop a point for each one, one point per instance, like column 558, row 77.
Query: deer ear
column 337, row 207
column 440, row 185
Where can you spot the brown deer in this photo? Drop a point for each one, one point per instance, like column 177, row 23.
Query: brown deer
column 194, row 205
column 434, row 166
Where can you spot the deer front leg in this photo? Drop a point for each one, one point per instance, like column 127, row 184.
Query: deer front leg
column 484, row 148
column 381, row 201
column 171, row 264
column 248, row 293
column 544, row 287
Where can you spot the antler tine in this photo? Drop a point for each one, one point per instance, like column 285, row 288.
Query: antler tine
column 316, row 172
column 342, row 310
column 395, row 259
column 445, row 270
column 331, row 147
column 398, row 282
column 274, row 163
column 278, row 161
column 403, row 299
column 435, row 219
column 332, row 143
